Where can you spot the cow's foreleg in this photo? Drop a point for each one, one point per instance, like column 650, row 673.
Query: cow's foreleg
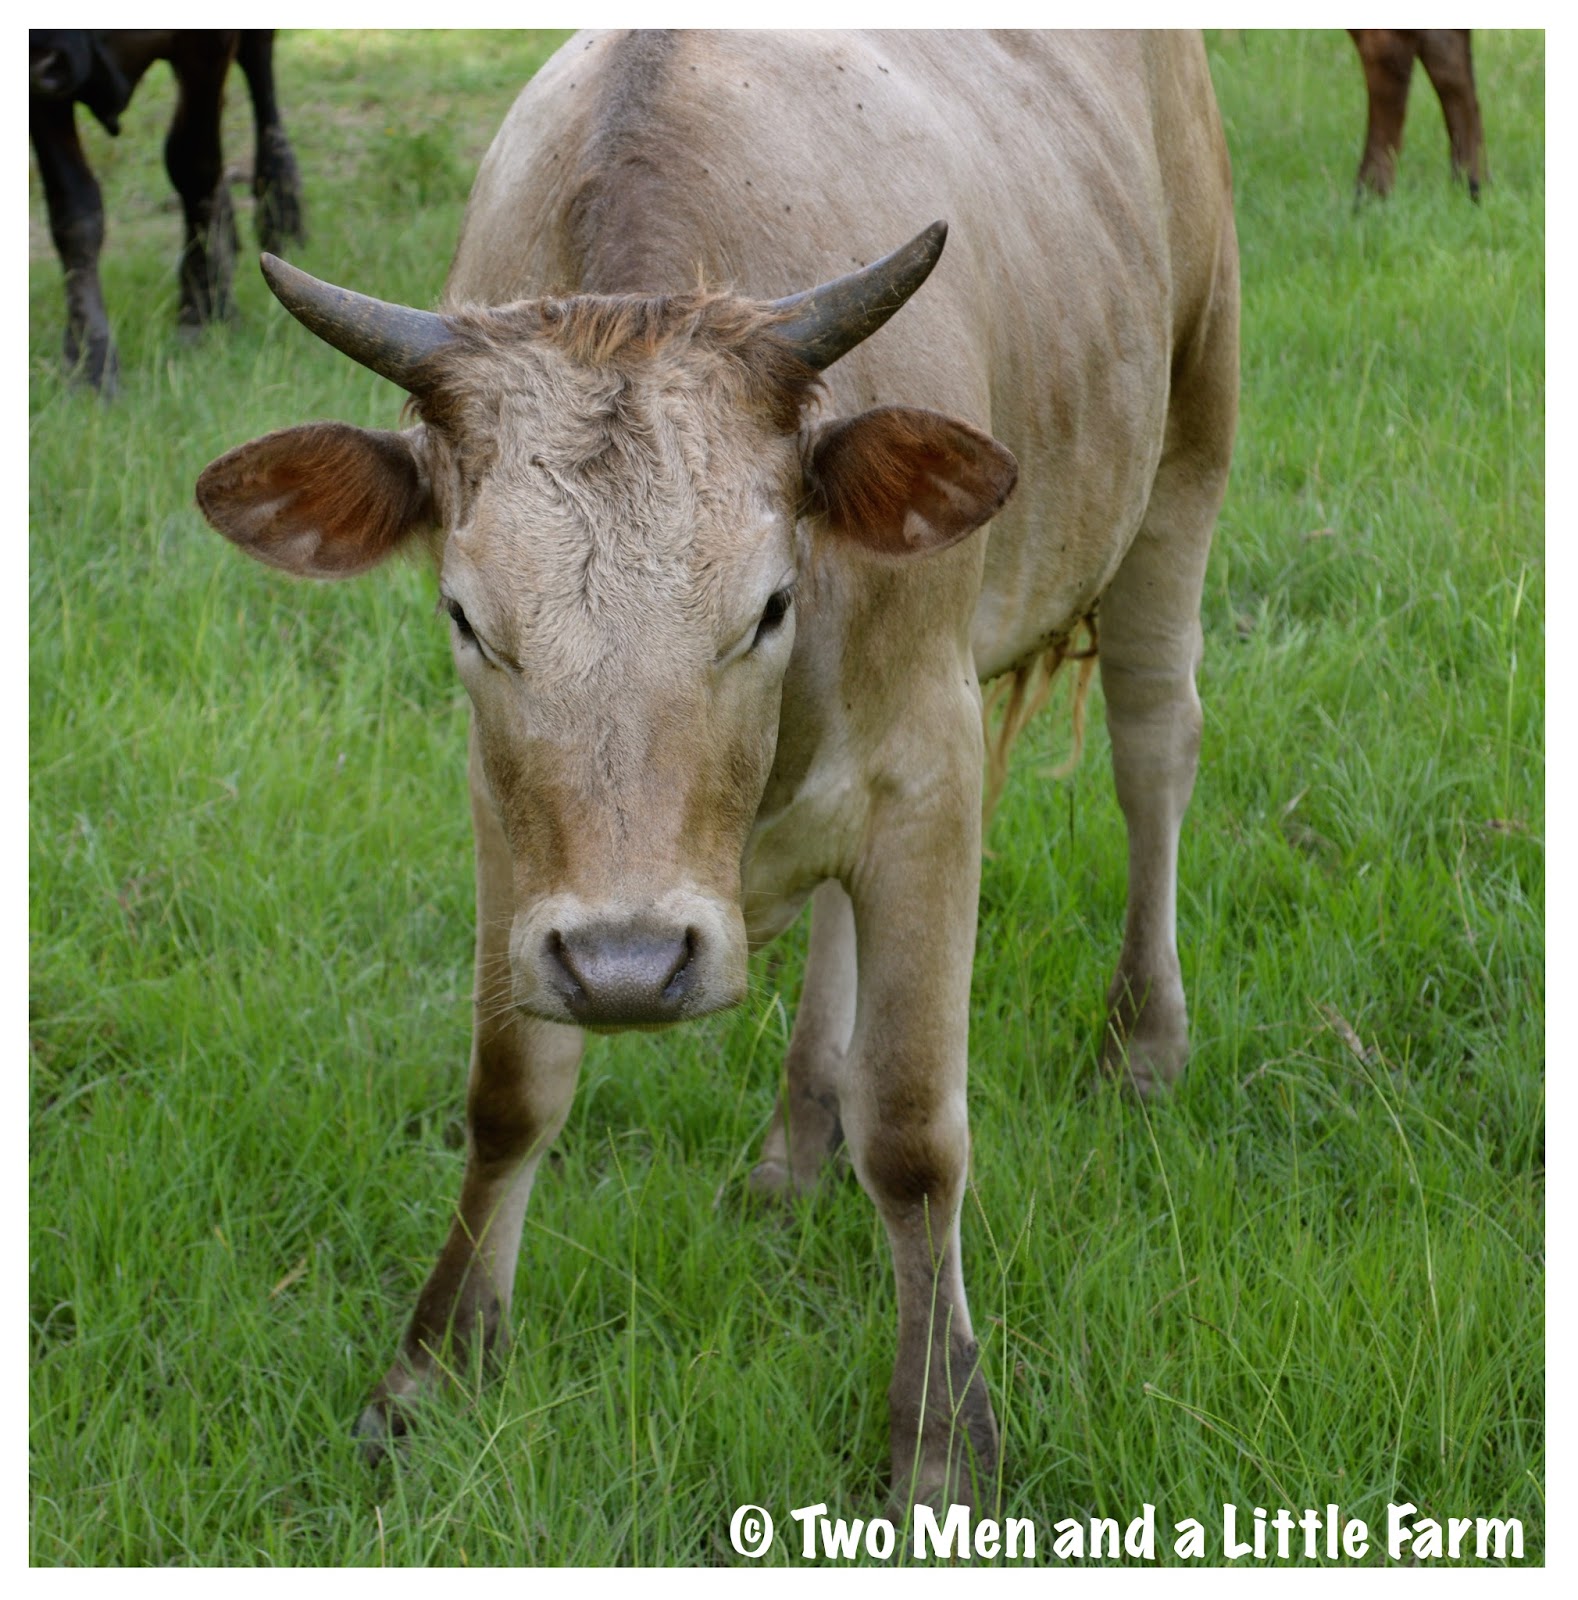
column 523, row 1076
column 905, row 1119
column 76, row 223
column 192, row 157
column 1150, row 649
column 806, row 1129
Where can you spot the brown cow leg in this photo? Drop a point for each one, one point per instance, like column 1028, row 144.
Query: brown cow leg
column 1447, row 58
column 805, row 1131
column 1150, row 649
column 192, row 157
column 1388, row 58
column 906, row 1121
column 523, row 1076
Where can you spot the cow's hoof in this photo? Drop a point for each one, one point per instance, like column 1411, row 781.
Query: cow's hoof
column 1147, row 1043
column 938, row 1494
column 774, row 1180
column 1145, row 1068
column 97, row 365
column 380, row 1431
column 773, row 1183
column 192, row 321
column 770, row 1180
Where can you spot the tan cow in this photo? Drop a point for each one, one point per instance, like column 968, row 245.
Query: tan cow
column 707, row 554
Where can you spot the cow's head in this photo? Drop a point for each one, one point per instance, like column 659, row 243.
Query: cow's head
column 619, row 494
column 66, row 64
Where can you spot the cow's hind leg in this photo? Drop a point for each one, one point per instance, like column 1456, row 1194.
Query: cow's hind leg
column 192, row 157
column 523, row 1076
column 276, row 181
column 1388, row 57
column 1150, row 649
column 805, row 1130
column 1449, row 60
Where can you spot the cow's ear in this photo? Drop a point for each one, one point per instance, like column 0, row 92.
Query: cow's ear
column 325, row 500
column 905, row 481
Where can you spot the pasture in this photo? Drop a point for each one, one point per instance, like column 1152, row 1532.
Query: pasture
column 1314, row 1275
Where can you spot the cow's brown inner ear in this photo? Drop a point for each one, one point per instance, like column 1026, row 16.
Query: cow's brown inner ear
column 324, row 500
column 906, row 481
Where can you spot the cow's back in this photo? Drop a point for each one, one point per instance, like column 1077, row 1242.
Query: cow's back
column 1084, row 181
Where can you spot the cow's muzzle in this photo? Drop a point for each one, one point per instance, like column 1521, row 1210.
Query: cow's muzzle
column 626, row 974
column 627, row 971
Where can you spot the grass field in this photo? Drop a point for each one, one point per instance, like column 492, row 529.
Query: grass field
column 1315, row 1275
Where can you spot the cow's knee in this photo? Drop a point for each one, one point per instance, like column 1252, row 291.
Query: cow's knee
column 914, row 1169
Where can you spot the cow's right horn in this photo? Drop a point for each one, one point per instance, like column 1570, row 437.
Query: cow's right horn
column 391, row 339
column 830, row 320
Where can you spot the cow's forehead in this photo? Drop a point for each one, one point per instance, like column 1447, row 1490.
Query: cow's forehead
column 621, row 515
column 668, row 428
column 637, row 502
column 570, row 545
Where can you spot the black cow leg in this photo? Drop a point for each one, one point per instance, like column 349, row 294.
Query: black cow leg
column 76, row 223
column 276, row 181
column 192, row 158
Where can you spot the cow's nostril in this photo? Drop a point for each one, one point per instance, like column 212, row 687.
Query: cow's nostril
column 51, row 73
column 568, row 980
column 679, row 979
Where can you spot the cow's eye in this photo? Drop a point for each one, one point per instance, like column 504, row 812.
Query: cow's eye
column 458, row 617
column 773, row 614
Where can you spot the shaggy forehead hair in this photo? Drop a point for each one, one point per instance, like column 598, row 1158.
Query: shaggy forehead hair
column 678, row 341
column 617, row 427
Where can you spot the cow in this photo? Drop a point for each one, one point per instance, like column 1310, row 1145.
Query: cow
column 1388, row 57
column 101, row 69
column 708, row 535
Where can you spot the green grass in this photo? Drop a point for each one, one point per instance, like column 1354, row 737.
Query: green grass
column 1316, row 1274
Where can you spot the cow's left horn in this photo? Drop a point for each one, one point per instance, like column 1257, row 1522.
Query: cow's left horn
column 391, row 339
column 830, row 320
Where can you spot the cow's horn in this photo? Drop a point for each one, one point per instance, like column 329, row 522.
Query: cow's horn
column 391, row 339
column 830, row 320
